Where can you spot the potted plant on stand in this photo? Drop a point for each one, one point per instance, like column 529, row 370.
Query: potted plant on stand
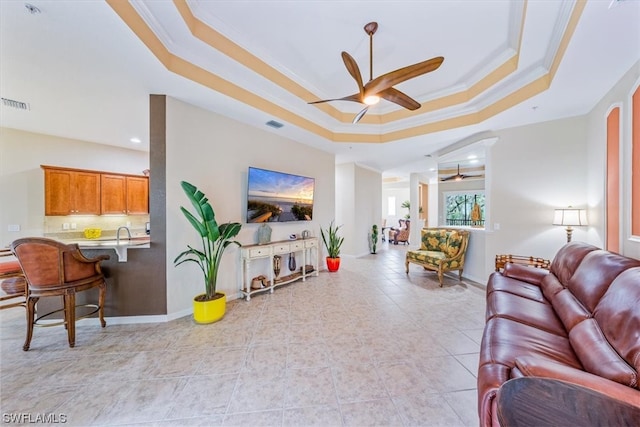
column 332, row 242
column 210, row 306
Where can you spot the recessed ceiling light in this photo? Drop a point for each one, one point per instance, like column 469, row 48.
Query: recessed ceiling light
column 135, row 140
column 473, row 161
column 472, row 156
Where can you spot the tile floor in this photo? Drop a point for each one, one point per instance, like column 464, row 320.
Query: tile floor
column 364, row 346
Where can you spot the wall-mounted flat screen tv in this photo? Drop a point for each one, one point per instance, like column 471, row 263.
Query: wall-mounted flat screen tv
column 278, row 197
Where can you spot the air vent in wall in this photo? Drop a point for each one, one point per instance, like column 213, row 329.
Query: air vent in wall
column 15, row 104
column 274, row 124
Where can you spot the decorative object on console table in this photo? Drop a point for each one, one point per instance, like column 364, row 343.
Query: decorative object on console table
column 210, row 306
column 570, row 217
column 292, row 261
column 277, row 266
column 373, row 239
column 332, row 242
column 264, row 234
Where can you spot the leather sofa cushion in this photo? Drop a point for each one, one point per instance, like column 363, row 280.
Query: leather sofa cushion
column 537, row 367
column 597, row 355
column 569, row 309
column 618, row 315
column 550, row 286
column 568, row 258
column 498, row 282
column 524, row 273
column 505, row 339
column 594, row 275
column 524, row 310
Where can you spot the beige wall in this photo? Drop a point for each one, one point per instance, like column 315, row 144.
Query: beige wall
column 22, row 179
column 214, row 153
column 535, row 169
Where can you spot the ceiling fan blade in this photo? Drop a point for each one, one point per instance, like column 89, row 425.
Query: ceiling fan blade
column 400, row 75
column 354, row 70
column 400, row 98
column 357, row 118
column 448, row 178
column 355, row 98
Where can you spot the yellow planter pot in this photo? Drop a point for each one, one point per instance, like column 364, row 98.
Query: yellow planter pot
column 209, row 311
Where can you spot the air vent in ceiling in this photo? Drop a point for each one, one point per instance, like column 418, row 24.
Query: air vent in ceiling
column 15, row 104
column 274, row 124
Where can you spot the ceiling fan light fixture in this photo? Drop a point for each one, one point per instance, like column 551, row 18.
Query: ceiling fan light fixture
column 371, row 99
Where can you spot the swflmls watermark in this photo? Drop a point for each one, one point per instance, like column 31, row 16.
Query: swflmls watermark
column 30, row 418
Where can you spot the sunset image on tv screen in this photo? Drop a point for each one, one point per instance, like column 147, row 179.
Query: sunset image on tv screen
column 278, row 197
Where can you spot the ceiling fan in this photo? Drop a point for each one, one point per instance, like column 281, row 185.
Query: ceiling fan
column 458, row 176
column 382, row 86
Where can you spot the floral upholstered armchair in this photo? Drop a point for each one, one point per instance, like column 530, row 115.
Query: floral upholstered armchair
column 442, row 250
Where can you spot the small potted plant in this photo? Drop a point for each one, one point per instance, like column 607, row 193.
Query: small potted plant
column 373, row 239
column 332, row 242
column 210, row 306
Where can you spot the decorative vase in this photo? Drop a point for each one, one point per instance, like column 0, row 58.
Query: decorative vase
column 292, row 262
column 277, row 265
column 333, row 264
column 264, row 234
column 209, row 311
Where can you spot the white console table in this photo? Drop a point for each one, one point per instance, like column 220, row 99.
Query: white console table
column 308, row 248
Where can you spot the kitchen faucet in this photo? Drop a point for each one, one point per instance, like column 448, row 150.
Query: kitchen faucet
column 118, row 234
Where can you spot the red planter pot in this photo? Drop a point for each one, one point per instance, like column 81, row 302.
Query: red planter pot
column 333, row 264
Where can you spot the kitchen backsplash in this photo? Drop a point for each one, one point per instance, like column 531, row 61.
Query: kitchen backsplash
column 70, row 226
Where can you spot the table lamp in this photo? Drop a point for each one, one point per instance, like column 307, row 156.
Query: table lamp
column 570, row 217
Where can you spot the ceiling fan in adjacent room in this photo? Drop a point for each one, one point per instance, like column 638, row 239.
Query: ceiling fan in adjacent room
column 459, row 176
column 382, row 86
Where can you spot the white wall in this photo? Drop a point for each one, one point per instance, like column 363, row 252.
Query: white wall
column 619, row 95
column 345, row 204
column 22, row 179
column 367, row 210
column 358, row 206
column 214, row 153
column 401, row 192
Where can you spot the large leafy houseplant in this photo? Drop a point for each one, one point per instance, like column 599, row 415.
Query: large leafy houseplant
column 215, row 239
column 332, row 242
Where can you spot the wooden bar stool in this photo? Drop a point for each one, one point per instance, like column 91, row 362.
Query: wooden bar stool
column 12, row 283
column 51, row 269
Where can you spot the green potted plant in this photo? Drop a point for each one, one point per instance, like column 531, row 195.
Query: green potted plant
column 373, row 239
column 210, row 306
column 332, row 242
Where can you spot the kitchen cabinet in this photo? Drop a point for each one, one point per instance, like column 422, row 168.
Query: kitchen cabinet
column 137, row 195
column 71, row 192
column 124, row 194
column 81, row 192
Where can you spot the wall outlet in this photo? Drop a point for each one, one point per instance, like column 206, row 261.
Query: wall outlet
column 129, row 224
column 496, row 226
column 73, row 226
column 65, row 226
column 13, row 227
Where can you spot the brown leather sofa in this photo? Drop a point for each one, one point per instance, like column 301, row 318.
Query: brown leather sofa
column 578, row 322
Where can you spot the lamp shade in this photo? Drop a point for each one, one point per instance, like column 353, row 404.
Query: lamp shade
column 570, row 217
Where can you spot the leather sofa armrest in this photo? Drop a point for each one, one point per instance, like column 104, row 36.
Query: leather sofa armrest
column 526, row 274
column 538, row 367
